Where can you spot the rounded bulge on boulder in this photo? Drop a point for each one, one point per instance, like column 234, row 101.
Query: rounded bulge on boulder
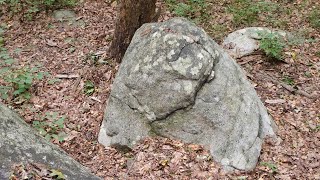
column 164, row 70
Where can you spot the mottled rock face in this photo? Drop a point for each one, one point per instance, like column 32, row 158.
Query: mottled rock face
column 164, row 75
column 174, row 81
column 20, row 144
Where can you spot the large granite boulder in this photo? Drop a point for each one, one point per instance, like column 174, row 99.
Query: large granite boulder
column 19, row 143
column 176, row 82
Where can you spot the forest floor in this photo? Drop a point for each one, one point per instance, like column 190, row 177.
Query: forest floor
column 78, row 87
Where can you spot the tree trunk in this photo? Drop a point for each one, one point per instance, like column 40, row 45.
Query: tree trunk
column 131, row 15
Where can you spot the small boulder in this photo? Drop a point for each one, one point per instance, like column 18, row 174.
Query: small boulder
column 176, row 82
column 64, row 15
column 245, row 41
column 67, row 18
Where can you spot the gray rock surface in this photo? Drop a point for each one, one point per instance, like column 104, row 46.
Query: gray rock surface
column 19, row 143
column 176, row 82
column 64, row 15
column 67, row 18
column 245, row 41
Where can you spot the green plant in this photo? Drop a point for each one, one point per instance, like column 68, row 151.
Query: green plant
column 91, row 58
column 1, row 41
column 30, row 7
column 6, row 59
column 50, row 126
column 270, row 165
column 288, row 80
column 89, row 88
column 272, row 44
column 247, row 12
column 182, row 9
column 56, row 174
column 20, row 81
column 314, row 18
column 5, row 62
column 18, row 51
column 1, row 37
column 192, row 9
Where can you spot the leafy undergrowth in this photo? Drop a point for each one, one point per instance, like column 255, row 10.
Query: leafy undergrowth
column 79, row 86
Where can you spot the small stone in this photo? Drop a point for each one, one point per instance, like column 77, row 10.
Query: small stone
column 64, row 15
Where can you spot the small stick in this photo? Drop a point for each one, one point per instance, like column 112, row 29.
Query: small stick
column 95, row 99
column 66, row 76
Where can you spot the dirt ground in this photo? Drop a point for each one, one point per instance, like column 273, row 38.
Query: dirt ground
column 290, row 90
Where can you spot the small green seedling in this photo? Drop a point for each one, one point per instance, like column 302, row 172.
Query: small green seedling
column 91, row 58
column 50, row 126
column 89, row 88
column 56, row 174
column 20, row 81
column 192, row 9
column 182, row 9
column 270, row 165
column 288, row 80
column 314, row 18
column 1, row 41
column 272, row 44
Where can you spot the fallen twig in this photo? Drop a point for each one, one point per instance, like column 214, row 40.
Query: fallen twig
column 95, row 99
column 66, row 76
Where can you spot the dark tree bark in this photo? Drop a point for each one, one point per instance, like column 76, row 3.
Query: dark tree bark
column 131, row 15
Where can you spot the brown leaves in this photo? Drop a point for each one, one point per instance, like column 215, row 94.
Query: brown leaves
column 161, row 157
column 295, row 154
column 35, row 171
